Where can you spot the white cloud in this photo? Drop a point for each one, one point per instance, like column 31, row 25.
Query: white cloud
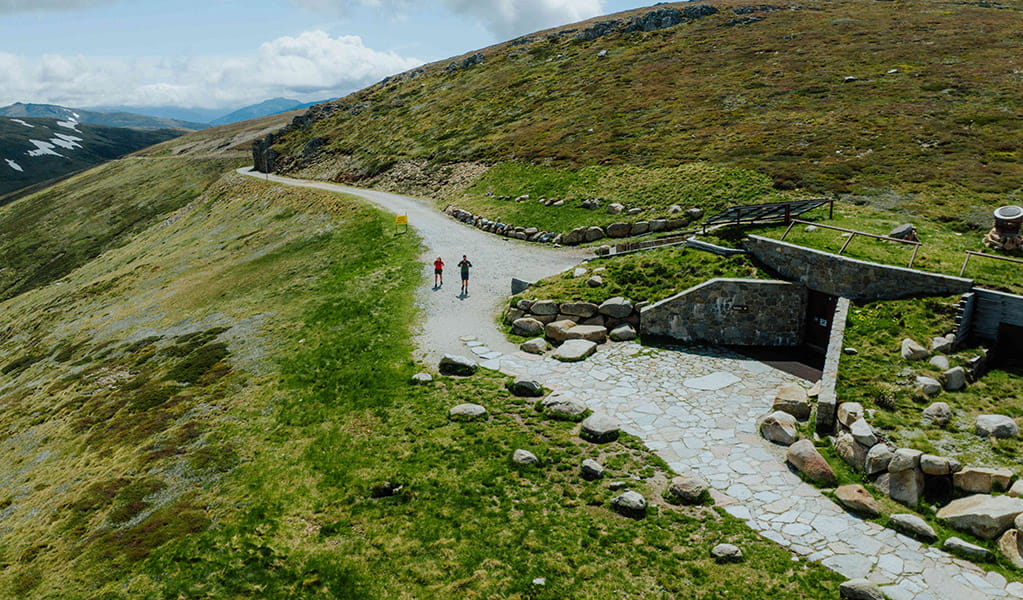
column 24, row 6
column 504, row 18
column 310, row 66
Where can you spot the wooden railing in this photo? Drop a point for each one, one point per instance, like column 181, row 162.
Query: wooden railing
column 853, row 233
column 970, row 253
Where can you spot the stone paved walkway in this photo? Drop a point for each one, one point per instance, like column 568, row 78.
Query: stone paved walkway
column 697, row 409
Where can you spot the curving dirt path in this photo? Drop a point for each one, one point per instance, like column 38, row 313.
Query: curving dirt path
column 446, row 315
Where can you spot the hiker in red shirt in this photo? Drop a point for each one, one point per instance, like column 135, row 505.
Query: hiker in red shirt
column 438, row 273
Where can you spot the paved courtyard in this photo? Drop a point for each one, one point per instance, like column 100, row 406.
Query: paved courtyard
column 697, row 408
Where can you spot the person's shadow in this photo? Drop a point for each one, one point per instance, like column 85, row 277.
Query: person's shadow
column 463, row 295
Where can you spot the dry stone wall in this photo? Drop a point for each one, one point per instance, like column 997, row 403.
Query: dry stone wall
column 731, row 311
column 848, row 277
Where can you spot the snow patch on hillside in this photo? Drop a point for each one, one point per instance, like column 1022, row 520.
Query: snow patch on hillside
column 29, row 125
column 71, row 124
column 14, row 165
column 66, row 141
column 43, row 148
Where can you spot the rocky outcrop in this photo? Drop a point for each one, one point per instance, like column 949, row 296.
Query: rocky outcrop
column 661, row 18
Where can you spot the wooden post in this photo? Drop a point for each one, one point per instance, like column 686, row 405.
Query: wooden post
column 846, row 244
column 788, row 212
column 788, row 229
column 831, row 209
column 913, row 258
column 963, row 270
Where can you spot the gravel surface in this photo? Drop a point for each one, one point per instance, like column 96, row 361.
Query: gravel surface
column 496, row 260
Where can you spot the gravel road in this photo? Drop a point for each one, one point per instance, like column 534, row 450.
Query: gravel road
column 495, row 261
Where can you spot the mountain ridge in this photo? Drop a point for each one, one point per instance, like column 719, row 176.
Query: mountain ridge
column 109, row 119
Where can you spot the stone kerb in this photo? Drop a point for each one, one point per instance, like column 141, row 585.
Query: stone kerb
column 731, row 311
column 587, row 317
column 849, row 277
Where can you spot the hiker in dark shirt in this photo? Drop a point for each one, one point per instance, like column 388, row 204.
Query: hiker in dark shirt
column 464, row 265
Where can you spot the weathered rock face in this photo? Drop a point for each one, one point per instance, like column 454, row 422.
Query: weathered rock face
column 575, row 350
column 599, row 429
column 939, row 413
column 804, row 456
column 982, row 515
column 997, row 426
column 630, row 504
column 457, row 365
column 792, row 399
column 688, row 488
column 912, row 350
column 982, row 480
column 857, row 499
column 913, row 526
column 853, row 453
column 779, row 427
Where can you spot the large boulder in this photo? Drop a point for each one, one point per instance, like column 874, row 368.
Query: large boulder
column 457, row 365
column 938, row 413
column 576, row 236
column 997, row 426
column 593, row 333
column 848, row 412
column 955, row 379
column 862, row 433
column 792, row 399
column 1011, row 547
column 579, row 309
column 575, row 350
column 859, row 589
column 779, row 427
column 593, row 234
column 616, row 308
column 878, row 458
column 982, row 480
column 688, row 488
column 857, row 499
column 852, row 452
column 905, row 459
column 526, row 326
column 938, row 465
column 982, row 515
column 912, row 350
column 558, row 330
column 623, row 333
column 913, row 526
column 807, row 460
column 534, row 346
column 630, row 504
column 906, row 486
column 467, row 412
column 618, row 230
column 599, row 429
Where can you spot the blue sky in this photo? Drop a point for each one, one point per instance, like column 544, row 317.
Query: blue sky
column 230, row 53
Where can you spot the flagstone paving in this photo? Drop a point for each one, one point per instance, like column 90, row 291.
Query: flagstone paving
column 697, row 409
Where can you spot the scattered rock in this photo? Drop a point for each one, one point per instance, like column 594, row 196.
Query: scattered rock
column 593, row 234
column 928, row 385
column 674, row 209
column 688, row 488
column 591, row 469
column 524, row 457
column 912, row 350
column 913, row 526
column 544, row 307
column 526, row 326
column 779, row 427
column 519, row 285
column 878, row 458
column 593, row 333
column 599, row 429
column 421, row 378
column 630, row 504
column 853, row 453
column 467, row 412
column 526, row 388
column 726, row 553
column 982, row 515
column 857, row 499
column 938, row 465
column 694, row 213
column 904, row 459
column 623, row 333
column 862, row 433
column 807, row 460
column 457, row 365
column 575, row 350
column 579, row 309
column 616, row 308
column 998, row 426
column 558, row 330
column 615, row 208
column 385, row 489
column 534, row 346
column 562, row 409
column 848, row 412
column 1016, row 490
column 955, row 379
column 1011, row 547
column 938, row 413
column 963, row 548
column 792, row 398
column 859, row 589
column 595, row 281
column 943, row 344
column 634, row 211
column 982, row 480
column 939, row 361
column 617, row 230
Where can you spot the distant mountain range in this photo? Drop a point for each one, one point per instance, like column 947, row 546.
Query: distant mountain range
column 34, row 150
column 213, row 117
column 109, row 119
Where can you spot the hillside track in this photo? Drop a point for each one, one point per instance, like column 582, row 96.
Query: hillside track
column 446, row 316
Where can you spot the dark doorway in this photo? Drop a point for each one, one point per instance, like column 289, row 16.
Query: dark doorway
column 1008, row 351
column 820, row 312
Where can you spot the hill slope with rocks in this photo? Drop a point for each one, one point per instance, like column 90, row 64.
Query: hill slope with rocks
column 913, row 104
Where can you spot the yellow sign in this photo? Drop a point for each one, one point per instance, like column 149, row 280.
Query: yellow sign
column 401, row 220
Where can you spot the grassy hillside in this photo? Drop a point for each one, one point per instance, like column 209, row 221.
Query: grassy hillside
column 917, row 98
column 38, row 150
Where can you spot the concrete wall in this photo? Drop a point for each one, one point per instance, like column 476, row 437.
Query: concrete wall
column 850, row 278
column 986, row 312
column 744, row 312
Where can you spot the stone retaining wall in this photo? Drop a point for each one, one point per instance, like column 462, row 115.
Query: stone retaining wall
column 731, row 311
column 827, row 401
column 848, row 277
